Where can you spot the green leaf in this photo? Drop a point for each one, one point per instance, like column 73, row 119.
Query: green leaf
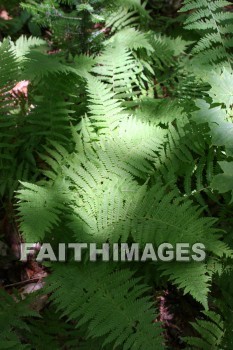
column 222, row 87
column 224, row 182
column 221, row 130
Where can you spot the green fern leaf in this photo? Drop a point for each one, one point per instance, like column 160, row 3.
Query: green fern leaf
column 101, row 300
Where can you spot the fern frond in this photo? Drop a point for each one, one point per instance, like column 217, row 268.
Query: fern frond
column 122, row 19
column 23, row 45
column 165, row 49
column 159, row 111
column 48, row 206
column 210, row 331
column 118, row 68
column 120, row 209
column 9, row 76
column 52, row 110
column 47, row 327
column 105, row 109
column 134, row 4
column 13, row 310
column 128, row 325
column 176, row 149
column 130, row 38
column 209, row 17
column 192, row 278
column 39, row 65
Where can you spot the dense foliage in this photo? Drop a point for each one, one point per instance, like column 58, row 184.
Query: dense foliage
column 123, row 133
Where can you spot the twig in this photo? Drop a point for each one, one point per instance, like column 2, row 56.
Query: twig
column 22, row 282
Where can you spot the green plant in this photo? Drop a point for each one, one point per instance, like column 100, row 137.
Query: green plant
column 125, row 144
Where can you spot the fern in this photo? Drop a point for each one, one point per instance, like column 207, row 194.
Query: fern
column 39, row 115
column 147, row 216
column 13, row 312
column 47, row 327
column 105, row 110
column 10, row 74
column 23, row 45
column 64, row 18
column 121, row 73
column 130, row 320
column 211, row 332
column 215, row 24
column 159, row 112
column 123, row 143
column 194, row 279
column 130, row 38
column 46, row 200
